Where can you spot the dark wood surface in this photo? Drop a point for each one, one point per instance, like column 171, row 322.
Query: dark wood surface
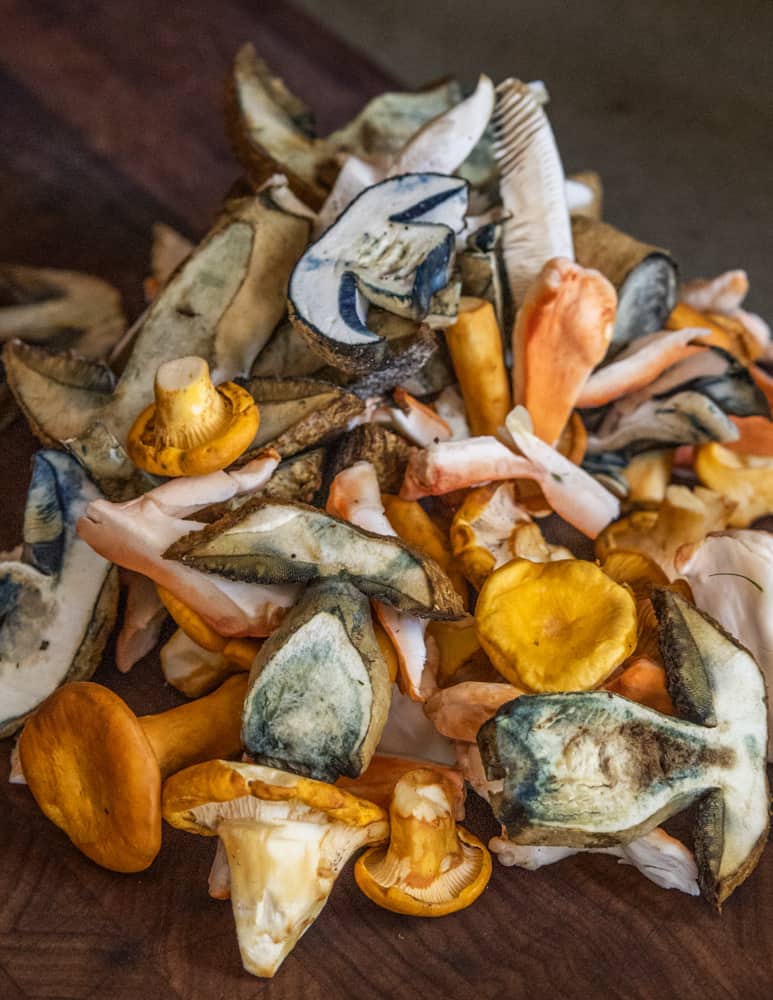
column 110, row 121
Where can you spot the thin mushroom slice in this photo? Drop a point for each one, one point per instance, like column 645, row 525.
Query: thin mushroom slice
column 272, row 542
column 594, row 769
column 645, row 277
column 58, row 602
column 319, row 687
column 662, row 859
column 221, row 305
column 286, row 838
column 431, row 867
column 297, row 413
column 531, row 185
column 394, row 247
column 686, row 417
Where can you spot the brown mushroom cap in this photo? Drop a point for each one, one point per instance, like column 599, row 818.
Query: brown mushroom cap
column 94, row 774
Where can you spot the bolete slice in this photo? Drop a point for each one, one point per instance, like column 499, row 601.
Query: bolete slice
column 319, row 688
column 95, row 769
column 268, row 542
column 594, row 769
column 287, row 839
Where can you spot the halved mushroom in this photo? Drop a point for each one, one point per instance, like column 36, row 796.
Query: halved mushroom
column 192, row 427
column 95, row 769
column 431, row 867
column 594, row 769
column 268, row 542
column 645, row 277
column 58, row 602
column 319, row 687
column 286, row 838
column 221, row 304
column 411, row 220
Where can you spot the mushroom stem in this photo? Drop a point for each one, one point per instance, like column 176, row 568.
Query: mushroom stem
column 423, row 831
column 273, row 862
column 203, row 730
column 189, row 409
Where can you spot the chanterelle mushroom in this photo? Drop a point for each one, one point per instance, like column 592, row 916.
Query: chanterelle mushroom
column 95, row 769
column 193, row 427
column 287, row 839
column 431, row 867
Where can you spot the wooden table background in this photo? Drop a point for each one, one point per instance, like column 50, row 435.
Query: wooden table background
column 111, row 120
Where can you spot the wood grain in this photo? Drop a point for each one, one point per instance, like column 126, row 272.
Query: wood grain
column 111, row 121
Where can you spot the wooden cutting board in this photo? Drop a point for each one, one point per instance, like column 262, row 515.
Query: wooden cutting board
column 111, row 120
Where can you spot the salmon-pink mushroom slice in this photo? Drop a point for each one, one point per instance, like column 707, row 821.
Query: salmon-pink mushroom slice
column 756, row 436
column 723, row 293
column 562, row 332
column 355, row 496
column 639, row 365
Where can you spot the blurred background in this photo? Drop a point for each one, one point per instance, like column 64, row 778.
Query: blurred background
column 670, row 100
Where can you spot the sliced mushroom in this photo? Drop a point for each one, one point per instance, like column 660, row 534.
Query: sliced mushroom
column 297, row 413
column 286, row 838
column 594, row 769
column 319, row 687
column 531, row 185
column 411, row 219
column 645, row 277
column 221, row 304
column 58, row 602
column 269, row 542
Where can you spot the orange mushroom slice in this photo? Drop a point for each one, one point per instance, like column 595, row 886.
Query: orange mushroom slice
column 460, row 710
column 431, row 867
column 95, row 769
column 193, row 427
column 562, row 332
column 286, row 838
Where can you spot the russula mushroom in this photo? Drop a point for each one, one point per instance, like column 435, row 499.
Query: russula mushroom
column 287, row 838
column 431, row 867
column 95, row 769
column 192, row 428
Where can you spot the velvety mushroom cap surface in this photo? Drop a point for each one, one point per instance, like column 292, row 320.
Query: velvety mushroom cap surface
column 93, row 773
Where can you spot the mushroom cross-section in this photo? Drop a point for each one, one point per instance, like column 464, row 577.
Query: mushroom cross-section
column 287, row 839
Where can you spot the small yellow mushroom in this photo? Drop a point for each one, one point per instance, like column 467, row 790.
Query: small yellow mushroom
column 685, row 517
column 555, row 626
column 649, row 475
column 193, row 427
column 746, row 480
column 431, row 866
column 475, row 344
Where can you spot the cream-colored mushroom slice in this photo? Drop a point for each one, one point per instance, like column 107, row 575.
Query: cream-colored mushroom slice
column 661, row 858
column 287, row 839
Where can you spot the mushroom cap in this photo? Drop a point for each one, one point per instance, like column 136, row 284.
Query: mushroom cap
column 93, row 773
column 220, row 781
column 218, row 450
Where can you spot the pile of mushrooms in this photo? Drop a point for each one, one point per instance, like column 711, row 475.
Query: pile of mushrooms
column 444, row 481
